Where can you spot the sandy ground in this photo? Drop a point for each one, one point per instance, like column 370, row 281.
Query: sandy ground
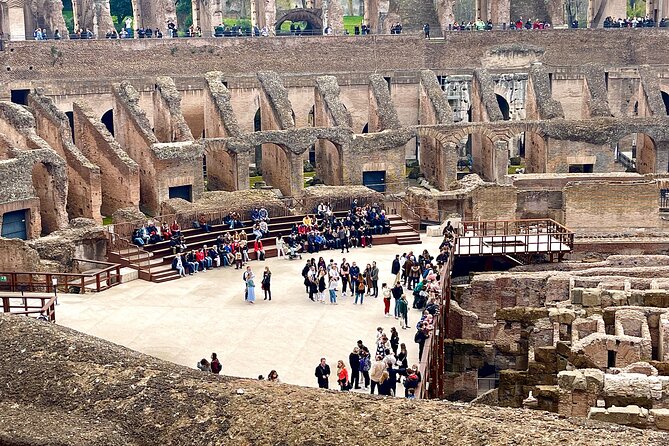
column 184, row 320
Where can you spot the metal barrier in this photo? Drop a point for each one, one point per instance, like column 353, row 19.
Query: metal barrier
column 47, row 282
column 500, row 237
column 432, row 363
column 28, row 306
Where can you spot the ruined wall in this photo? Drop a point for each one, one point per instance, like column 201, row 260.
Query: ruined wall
column 94, row 15
column 611, row 205
column 169, row 124
column 120, row 174
column 84, row 194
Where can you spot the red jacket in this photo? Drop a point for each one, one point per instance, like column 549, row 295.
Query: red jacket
column 257, row 245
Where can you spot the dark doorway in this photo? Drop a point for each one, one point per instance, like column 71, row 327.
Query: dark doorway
column 375, row 180
column 257, row 126
column 14, row 225
column 580, row 168
column 108, row 121
column 20, row 96
column 665, row 98
column 611, row 359
column 70, row 118
column 503, row 107
column 185, row 192
column 365, row 129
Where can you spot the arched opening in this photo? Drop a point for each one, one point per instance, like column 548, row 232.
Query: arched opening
column 121, row 10
column 46, row 191
column 329, row 162
column 300, row 21
column 257, row 158
column 665, row 99
column 534, row 154
column 365, row 129
column 476, row 154
column 108, row 120
column 636, row 152
column 282, row 169
column 503, row 107
column 311, row 122
column 70, row 119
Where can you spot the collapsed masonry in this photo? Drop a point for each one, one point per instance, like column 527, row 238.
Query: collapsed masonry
column 587, row 339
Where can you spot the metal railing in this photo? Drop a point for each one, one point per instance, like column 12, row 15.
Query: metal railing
column 43, row 306
column 398, row 206
column 432, row 363
column 495, row 237
column 48, row 282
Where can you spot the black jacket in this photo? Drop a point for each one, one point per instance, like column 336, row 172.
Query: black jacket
column 320, row 371
column 396, row 267
column 354, row 362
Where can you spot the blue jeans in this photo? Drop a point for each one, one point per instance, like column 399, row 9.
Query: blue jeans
column 397, row 308
column 333, row 296
column 361, row 295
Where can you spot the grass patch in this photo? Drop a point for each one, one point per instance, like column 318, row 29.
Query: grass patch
column 513, row 167
column 308, row 176
column 106, row 221
column 254, row 180
column 350, row 21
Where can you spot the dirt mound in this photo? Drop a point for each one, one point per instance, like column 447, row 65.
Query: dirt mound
column 63, row 387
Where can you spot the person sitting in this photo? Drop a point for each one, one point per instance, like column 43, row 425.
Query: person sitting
column 307, row 221
column 154, row 234
column 191, row 258
column 192, row 266
column 202, row 224
column 259, row 249
column 257, row 232
column 176, row 229
column 264, row 228
column 255, row 215
column 177, row 264
column 203, row 261
column 263, row 214
column 214, row 255
column 138, row 236
column 165, row 231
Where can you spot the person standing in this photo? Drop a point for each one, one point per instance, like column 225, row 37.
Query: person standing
column 367, row 278
column 359, row 292
column 333, row 285
column 426, row 30
column 250, row 286
column 394, row 340
column 385, row 292
column 376, row 372
column 365, row 365
column 342, row 376
column 395, row 268
column 345, row 276
column 322, row 373
column 354, row 362
column 403, row 307
column 375, row 280
column 266, row 282
column 245, row 278
column 355, row 276
column 321, row 284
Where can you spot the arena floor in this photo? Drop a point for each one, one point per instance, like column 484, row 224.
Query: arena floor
column 185, row 320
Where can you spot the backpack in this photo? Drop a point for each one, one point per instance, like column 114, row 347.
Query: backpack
column 365, row 364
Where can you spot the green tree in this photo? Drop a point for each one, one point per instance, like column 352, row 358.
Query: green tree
column 636, row 8
column 184, row 13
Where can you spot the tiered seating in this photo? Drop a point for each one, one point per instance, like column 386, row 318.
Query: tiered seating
column 161, row 253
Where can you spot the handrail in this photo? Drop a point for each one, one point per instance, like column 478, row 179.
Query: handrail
column 17, row 281
column 46, row 309
column 432, row 364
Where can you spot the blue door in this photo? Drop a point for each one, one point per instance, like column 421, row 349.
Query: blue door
column 14, row 225
column 375, row 180
column 185, row 192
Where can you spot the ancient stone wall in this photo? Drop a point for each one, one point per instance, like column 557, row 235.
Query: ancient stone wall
column 84, row 194
column 120, row 174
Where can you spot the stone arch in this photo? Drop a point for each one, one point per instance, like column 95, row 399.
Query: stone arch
column 282, row 168
column 108, row 120
column 533, row 145
column 311, row 16
column 463, row 132
column 504, row 107
column 437, row 157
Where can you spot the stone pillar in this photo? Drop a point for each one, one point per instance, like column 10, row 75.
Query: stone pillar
column 243, row 161
column 500, row 161
column 17, row 20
